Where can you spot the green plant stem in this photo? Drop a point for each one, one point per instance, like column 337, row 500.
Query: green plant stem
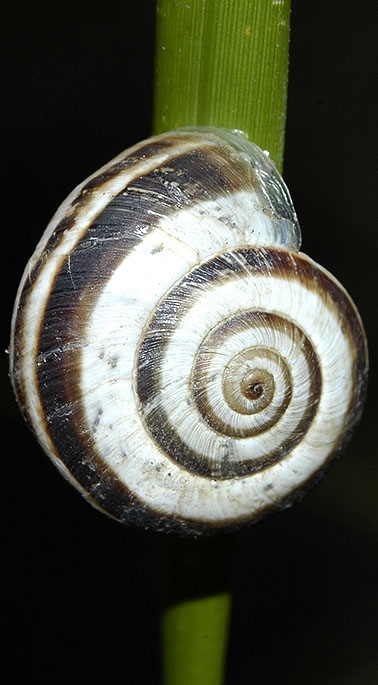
column 218, row 63
column 196, row 584
column 224, row 63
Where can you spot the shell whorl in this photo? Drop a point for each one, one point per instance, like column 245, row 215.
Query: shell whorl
column 185, row 367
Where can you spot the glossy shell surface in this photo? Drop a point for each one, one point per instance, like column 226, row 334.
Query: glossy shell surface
column 184, row 366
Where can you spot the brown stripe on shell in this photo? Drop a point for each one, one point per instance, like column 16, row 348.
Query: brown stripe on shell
column 117, row 229
column 133, row 157
column 198, row 174
column 159, row 424
column 96, row 254
column 213, row 344
column 350, row 324
column 173, row 308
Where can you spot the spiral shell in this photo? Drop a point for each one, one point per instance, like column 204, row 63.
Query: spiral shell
column 184, row 366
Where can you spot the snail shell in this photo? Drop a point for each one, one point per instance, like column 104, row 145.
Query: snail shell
column 184, row 366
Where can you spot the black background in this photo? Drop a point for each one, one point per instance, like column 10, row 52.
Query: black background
column 81, row 593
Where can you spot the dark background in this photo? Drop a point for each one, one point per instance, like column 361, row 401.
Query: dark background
column 80, row 594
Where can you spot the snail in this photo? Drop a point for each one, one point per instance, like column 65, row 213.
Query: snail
column 176, row 356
